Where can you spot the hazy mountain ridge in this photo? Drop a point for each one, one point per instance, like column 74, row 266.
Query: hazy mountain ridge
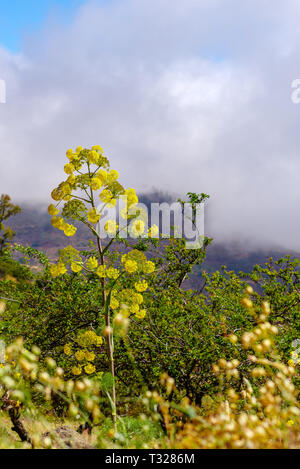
column 34, row 228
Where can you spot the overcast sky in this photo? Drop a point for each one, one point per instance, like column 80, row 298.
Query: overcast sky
column 190, row 95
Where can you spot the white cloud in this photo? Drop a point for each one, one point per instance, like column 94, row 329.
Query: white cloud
column 195, row 97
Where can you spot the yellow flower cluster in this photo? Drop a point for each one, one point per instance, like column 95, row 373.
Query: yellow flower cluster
column 80, row 355
column 69, row 230
column 89, row 338
column 295, row 359
column 89, row 369
column 153, row 231
column 76, row 370
column 127, row 302
column 103, row 179
column 137, row 228
column 101, row 271
column 112, row 273
column 69, row 168
column 59, row 223
column 68, row 349
column 130, row 266
column 109, row 272
column 58, row 269
column 141, row 286
column 114, row 303
column 93, row 157
column 106, row 196
column 107, row 180
column 130, row 197
column 141, row 314
column 90, row 356
column 149, row 267
column 84, row 356
column 92, row 263
column 96, row 183
column 76, row 267
column 64, row 190
column 94, row 215
column 136, row 260
column 102, row 175
column 111, row 227
column 52, row 210
column 68, row 255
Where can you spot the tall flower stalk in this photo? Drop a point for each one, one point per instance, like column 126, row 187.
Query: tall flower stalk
column 90, row 188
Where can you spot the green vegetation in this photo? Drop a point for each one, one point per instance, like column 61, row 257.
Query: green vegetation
column 113, row 343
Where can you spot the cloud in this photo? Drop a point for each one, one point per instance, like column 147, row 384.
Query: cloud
column 189, row 97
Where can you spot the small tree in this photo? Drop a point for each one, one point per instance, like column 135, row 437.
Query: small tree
column 7, row 209
column 90, row 179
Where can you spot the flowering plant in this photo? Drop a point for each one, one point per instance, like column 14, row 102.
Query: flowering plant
column 90, row 188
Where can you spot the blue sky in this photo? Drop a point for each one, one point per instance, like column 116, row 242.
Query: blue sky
column 19, row 18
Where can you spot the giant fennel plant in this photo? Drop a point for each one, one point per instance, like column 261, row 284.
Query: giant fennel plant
column 89, row 189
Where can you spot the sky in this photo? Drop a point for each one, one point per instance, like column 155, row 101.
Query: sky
column 183, row 96
column 20, row 18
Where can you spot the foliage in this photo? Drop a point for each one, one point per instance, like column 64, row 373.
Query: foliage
column 264, row 414
column 113, row 326
column 7, row 209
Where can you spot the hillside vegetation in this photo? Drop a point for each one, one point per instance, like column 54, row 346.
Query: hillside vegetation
column 109, row 346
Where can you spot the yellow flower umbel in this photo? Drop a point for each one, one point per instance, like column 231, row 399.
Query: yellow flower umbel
column 112, row 176
column 69, row 168
column 130, row 197
column 137, row 228
column 130, row 266
column 52, row 210
column 76, row 267
column 153, row 231
column 101, row 271
column 96, row 183
column 114, row 303
column 80, row 355
column 141, row 314
column 93, row 215
column 69, row 230
column 58, row 222
column 89, row 356
column 92, row 263
column 111, row 227
column 141, row 286
column 68, row 349
column 112, row 273
column 93, row 157
column 97, row 148
column 89, row 369
column 57, row 269
column 102, row 175
column 88, row 338
column 149, row 267
column 107, row 197
column 76, row 370
column 69, row 153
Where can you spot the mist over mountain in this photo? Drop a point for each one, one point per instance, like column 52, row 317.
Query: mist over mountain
column 33, row 227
